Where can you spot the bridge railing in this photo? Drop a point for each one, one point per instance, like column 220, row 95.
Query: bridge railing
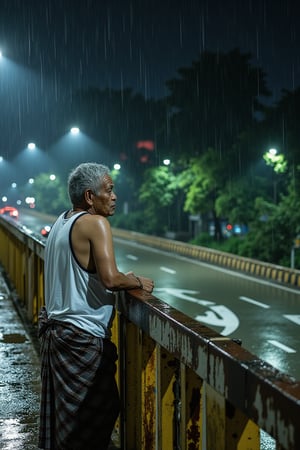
column 183, row 386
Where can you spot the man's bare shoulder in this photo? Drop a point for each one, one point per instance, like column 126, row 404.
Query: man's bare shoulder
column 91, row 223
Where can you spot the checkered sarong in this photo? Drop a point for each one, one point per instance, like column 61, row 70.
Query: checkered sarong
column 79, row 397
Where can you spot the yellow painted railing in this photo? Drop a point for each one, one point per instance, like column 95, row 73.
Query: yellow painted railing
column 183, row 386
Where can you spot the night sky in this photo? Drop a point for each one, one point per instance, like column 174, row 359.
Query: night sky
column 51, row 48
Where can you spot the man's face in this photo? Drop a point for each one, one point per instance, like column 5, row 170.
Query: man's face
column 104, row 201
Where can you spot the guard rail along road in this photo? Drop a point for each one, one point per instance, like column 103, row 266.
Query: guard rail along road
column 183, row 386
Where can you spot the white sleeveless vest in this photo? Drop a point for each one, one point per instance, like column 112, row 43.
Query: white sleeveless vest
column 72, row 294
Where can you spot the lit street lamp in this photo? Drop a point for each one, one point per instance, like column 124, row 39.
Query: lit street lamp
column 74, row 131
column 276, row 160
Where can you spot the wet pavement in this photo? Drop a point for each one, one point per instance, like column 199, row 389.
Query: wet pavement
column 19, row 376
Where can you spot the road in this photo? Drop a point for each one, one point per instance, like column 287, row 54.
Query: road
column 264, row 315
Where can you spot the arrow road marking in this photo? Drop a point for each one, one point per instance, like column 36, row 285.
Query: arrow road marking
column 183, row 294
column 218, row 315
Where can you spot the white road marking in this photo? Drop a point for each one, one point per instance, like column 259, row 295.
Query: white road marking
column 218, row 315
column 293, row 318
column 184, row 294
column 132, row 257
column 254, row 302
column 282, row 346
column 166, row 269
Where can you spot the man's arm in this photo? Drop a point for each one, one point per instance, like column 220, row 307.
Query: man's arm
column 102, row 248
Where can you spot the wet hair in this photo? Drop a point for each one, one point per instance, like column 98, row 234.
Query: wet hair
column 85, row 176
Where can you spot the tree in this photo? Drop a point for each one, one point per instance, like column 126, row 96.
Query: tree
column 281, row 126
column 157, row 195
column 214, row 101
column 237, row 199
column 203, row 181
column 274, row 229
column 50, row 195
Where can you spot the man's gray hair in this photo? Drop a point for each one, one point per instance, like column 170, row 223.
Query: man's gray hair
column 85, row 176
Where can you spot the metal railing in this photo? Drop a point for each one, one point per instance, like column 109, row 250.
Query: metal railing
column 183, row 386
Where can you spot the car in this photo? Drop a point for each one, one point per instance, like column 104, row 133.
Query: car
column 10, row 211
column 45, row 230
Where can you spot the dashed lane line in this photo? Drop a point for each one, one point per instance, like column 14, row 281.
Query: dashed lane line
column 132, row 257
column 168, row 270
column 254, row 302
column 282, row 346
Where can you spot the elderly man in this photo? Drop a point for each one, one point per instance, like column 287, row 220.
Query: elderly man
column 80, row 399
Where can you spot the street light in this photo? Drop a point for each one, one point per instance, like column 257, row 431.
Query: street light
column 276, row 160
column 74, row 131
column 30, row 201
column 31, row 146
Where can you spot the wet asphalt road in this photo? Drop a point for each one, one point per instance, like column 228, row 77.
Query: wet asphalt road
column 19, row 378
